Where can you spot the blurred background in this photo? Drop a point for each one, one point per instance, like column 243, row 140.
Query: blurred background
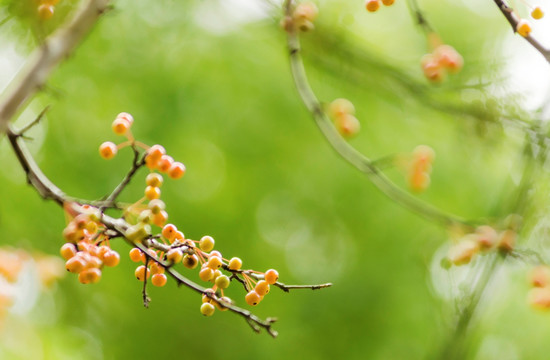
column 210, row 81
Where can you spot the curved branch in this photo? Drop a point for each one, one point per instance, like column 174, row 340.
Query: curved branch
column 349, row 153
column 41, row 63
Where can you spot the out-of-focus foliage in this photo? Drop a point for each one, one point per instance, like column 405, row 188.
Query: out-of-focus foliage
column 211, row 83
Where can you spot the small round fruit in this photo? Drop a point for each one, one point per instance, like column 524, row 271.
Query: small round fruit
column 206, row 274
column 214, row 262
column 159, row 280
column 160, row 218
column 207, row 309
column 120, row 126
column 154, row 179
column 523, row 28
column 174, row 256
column 169, row 231
column 155, row 268
column 341, row 107
column 537, row 13
column 539, row 298
column 235, row 263
column 111, row 258
column 223, row 282
column 306, row 10
column 372, row 5
column 221, row 306
column 177, row 170
column 89, row 276
column 156, row 152
column 141, row 272
column 108, row 150
column 165, row 163
column 388, row 2
column 67, row 251
column 208, row 295
column 126, row 116
column 75, row 264
column 136, row 255
column 152, row 192
column 271, row 276
column 207, row 243
column 45, row 11
column 262, row 287
column 540, row 276
column 253, row 298
column 347, row 125
column 156, row 205
column 190, row 261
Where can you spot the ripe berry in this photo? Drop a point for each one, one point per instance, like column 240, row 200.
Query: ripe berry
column 262, row 287
column 165, row 163
column 75, row 264
column 67, row 251
column 45, row 11
column 206, row 274
column 208, row 295
column 89, row 276
column 540, row 276
column 537, row 13
column 120, row 126
column 449, row 58
column 141, row 272
column 223, row 282
column 539, row 298
column 153, row 156
column 155, row 268
column 388, row 2
column 306, row 11
column 220, row 306
column 271, row 276
column 169, row 231
column 190, row 261
column 207, row 309
column 433, row 71
column 159, row 280
column 179, row 236
column 160, row 218
column 174, row 256
column 177, row 170
column 108, row 150
column 340, row 107
column 152, row 192
column 215, row 253
column 154, row 179
column 419, row 181
column 214, row 262
column 372, row 5
column 235, row 263
column 206, row 243
column 523, row 28
column 136, row 255
column 111, row 258
column 126, row 116
column 253, row 298
column 347, row 125
column 423, row 153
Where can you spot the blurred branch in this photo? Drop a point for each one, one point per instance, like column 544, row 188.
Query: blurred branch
column 43, row 60
column 346, row 151
column 513, row 19
column 419, row 17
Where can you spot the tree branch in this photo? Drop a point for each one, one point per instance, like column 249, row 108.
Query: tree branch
column 44, row 59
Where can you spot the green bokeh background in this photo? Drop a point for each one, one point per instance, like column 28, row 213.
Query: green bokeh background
column 265, row 184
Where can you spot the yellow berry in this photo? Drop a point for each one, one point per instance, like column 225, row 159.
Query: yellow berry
column 347, row 125
column 108, row 150
column 523, row 28
column 206, row 243
column 154, row 179
column 214, row 262
column 235, row 263
column 222, row 307
column 89, row 276
column 152, row 192
column 271, row 276
column 75, row 265
column 306, row 10
column 262, row 287
column 223, row 282
column 340, row 107
column 190, row 261
column 67, row 251
column 253, row 298
column 174, row 256
column 388, row 2
column 537, row 13
column 207, row 309
column 206, row 274
column 120, row 126
column 540, row 276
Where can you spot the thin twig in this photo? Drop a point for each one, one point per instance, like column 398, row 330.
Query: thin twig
column 22, row 131
column 136, row 165
column 419, row 17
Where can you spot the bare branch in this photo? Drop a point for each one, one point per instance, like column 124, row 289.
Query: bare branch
column 44, row 59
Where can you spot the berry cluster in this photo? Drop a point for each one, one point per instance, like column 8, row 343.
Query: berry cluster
column 443, row 59
column 374, row 5
column 302, row 17
column 539, row 295
column 46, row 8
column 420, row 167
column 342, row 112
column 87, row 248
column 483, row 240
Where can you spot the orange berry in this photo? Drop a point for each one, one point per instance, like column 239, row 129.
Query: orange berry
column 388, row 2
column 214, row 262
column 262, row 287
column 103, row 249
column 154, row 179
column 156, row 268
column 108, row 150
column 160, row 218
column 174, row 256
column 372, row 5
column 165, row 163
column 206, row 273
column 75, row 265
column 67, row 251
column 347, row 125
column 462, row 252
column 159, row 280
column 179, row 236
column 190, row 261
column 539, row 298
column 207, row 243
column 523, row 28
column 540, row 276
column 120, row 126
column 340, row 107
column 94, row 262
column 306, row 10
column 253, row 298
column 537, row 13
column 152, row 192
column 423, row 153
column 89, row 276
column 141, row 272
column 235, row 263
column 419, row 181
column 176, row 171
column 449, row 58
column 45, row 11
column 156, row 152
column 111, row 258
column 208, row 295
column 169, row 231
column 136, row 255
column 433, row 71
column 271, row 276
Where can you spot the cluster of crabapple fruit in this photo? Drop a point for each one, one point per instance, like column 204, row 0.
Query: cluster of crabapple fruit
column 342, row 113
column 46, row 8
column 374, row 5
column 420, row 168
column 524, row 27
column 442, row 60
column 484, row 239
column 87, row 248
column 539, row 295
column 302, row 17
